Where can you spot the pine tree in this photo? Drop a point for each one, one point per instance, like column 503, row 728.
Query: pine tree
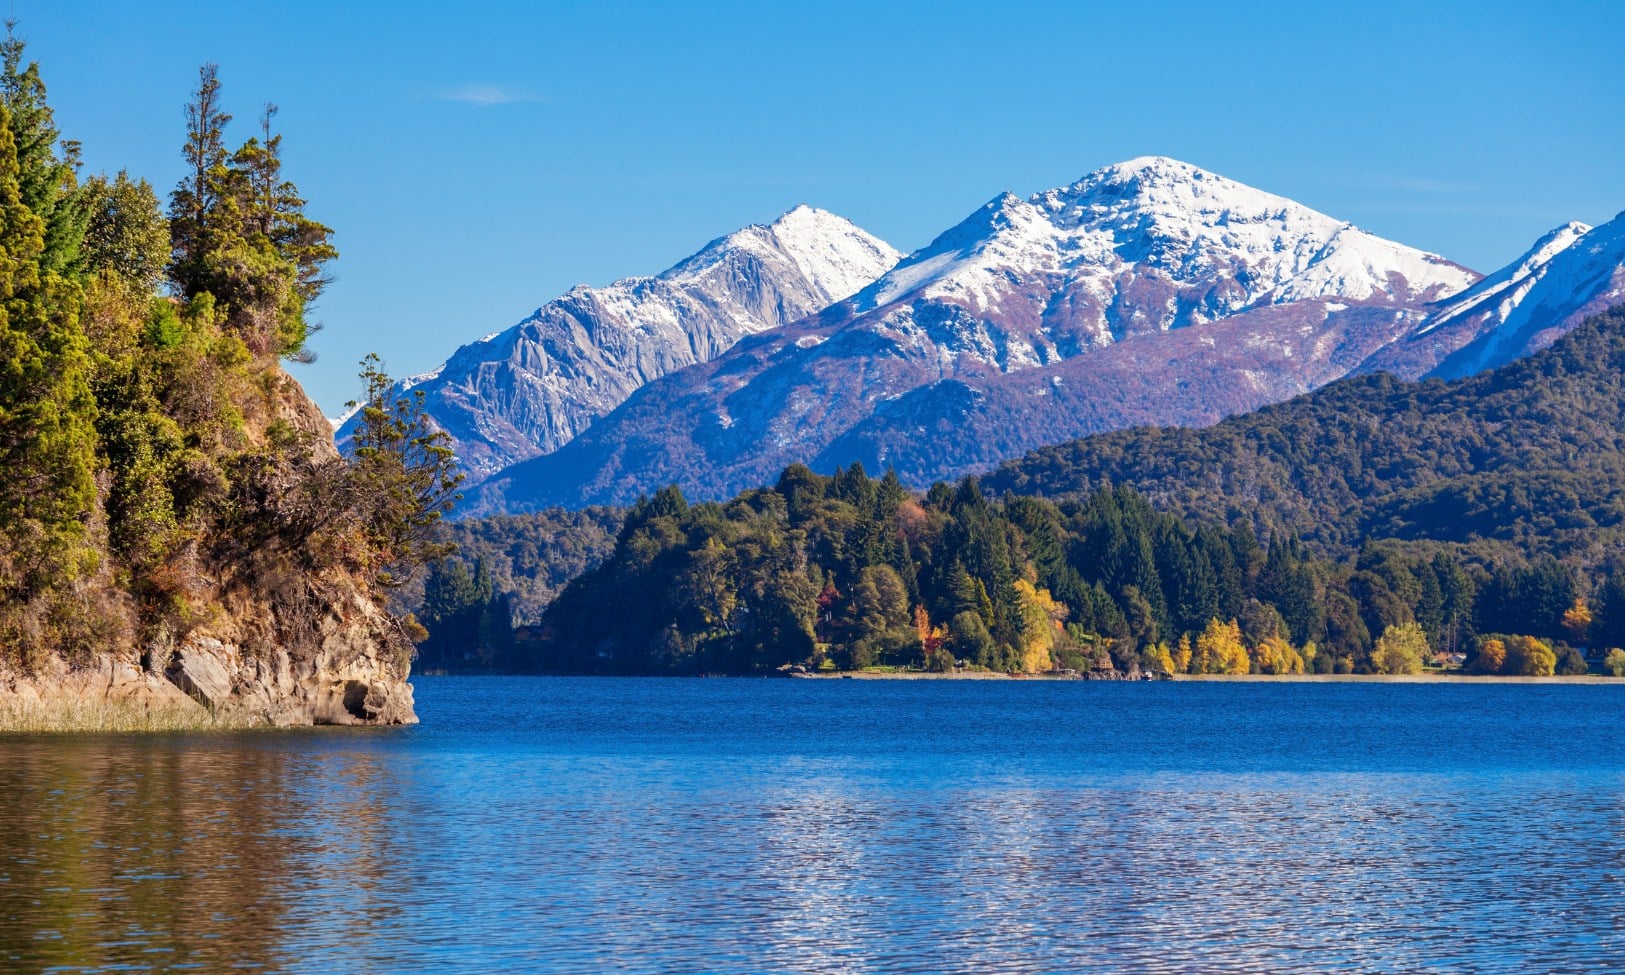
column 194, row 203
column 47, row 412
column 274, row 218
column 1608, row 629
column 407, row 475
column 46, row 181
column 239, row 231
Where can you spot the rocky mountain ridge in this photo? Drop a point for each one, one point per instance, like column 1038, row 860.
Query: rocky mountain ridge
column 533, row 387
column 1148, row 292
column 1572, row 273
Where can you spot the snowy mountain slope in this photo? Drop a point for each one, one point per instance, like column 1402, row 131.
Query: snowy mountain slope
column 1143, row 250
column 726, row 425
column 1212, row 245
column 1572, row 274
column 530, row 389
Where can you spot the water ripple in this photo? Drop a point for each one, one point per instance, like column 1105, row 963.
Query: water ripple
column 711, row 827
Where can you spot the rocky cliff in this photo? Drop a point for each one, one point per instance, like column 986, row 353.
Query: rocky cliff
column 265, row 626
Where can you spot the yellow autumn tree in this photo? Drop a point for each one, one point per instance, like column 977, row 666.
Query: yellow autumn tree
column 1219, row 650
column 1577, row 620
column 1530, row 657
column 1490, row 659
column 1182, row 655
column 1038, row 618
column 1400, row 650
column 1201, row 661
column 1159, row 659
column 1614, row 663
column 1276, row 656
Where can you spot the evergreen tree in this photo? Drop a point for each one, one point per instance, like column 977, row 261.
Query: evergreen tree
column 47, row 412
column 1608, row 627
column 126, row 234
column 275, row 219
column 406, row 475
column 46, row 182
column 1290, row 584
column 239, row 232
column 1457, row 592
column 194, row 205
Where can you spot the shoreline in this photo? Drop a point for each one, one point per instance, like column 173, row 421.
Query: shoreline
column 1242, row 678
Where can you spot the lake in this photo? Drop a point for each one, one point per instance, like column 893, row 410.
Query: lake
column 733, row 825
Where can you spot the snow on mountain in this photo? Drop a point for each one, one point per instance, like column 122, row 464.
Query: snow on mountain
column 1218, row 245
column 528, row 390
column 1572, row 273
column 1268, row 298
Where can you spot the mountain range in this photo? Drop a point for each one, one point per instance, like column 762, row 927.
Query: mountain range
column 528, row 390
column 1149, row 292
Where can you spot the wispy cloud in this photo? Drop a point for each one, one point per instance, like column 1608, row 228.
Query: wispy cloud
column 474, row 93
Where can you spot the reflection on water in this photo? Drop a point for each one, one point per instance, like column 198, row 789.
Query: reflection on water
column 712, row 826
column 169, row 854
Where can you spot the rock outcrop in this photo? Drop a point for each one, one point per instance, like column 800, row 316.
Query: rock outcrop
column 352, row 671
column 277, row 631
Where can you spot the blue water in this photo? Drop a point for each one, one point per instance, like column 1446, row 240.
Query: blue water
column 582, row 825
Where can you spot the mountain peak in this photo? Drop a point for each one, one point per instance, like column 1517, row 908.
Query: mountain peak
column 804, row 220
column 532, row 387
column 1152, row 166
column 832, row 252
column 1236, row 245
column 803, row 216
column 1158, row 184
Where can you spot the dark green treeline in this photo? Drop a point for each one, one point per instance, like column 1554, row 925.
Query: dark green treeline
column 848, row 571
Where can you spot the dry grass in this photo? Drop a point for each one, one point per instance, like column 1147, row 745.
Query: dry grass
column 64, row 714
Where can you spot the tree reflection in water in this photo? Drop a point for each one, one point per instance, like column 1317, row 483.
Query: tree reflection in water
column 162, row 852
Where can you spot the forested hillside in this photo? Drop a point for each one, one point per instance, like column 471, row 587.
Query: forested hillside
column 173, row 505
column 847, row 572
column 501, row 573
column 1531, row 454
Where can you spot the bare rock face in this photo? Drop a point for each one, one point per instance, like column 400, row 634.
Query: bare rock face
column 105, row 695
column 352, row 670
column 346, row 683
column 200, row 670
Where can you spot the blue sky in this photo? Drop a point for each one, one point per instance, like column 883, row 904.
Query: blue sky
column 477, row 159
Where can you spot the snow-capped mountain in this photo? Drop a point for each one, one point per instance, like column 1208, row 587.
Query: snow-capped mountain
column 1165, row 241
column 530, row 389
column 1149, row 291
column 1572, row 273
